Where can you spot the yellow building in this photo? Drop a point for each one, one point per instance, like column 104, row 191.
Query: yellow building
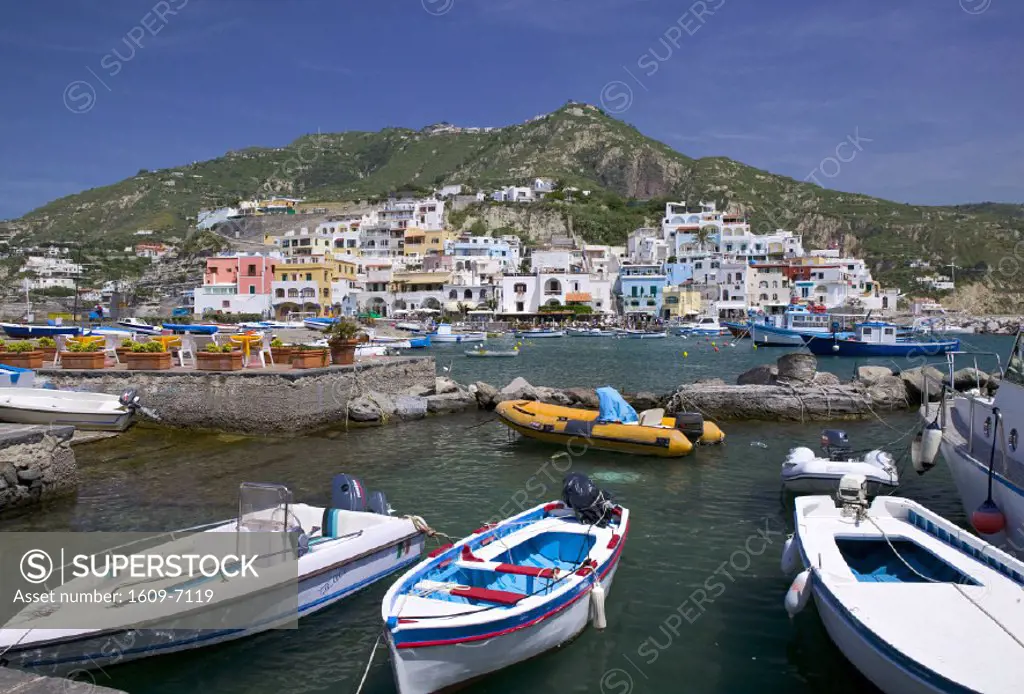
column 316, row 283
column 420, row 243
column 680, row 301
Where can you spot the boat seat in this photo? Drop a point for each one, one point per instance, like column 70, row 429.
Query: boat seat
column 500, row 597
column 525, row 570
column 332, row 523
column 652, row 417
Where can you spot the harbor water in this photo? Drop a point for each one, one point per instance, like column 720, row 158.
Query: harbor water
column 698, row 597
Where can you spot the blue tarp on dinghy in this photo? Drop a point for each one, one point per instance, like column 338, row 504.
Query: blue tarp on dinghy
column 613, row 408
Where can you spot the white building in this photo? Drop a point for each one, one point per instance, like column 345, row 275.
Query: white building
column 524, row 294
column 50, row 271
column 645, row 246
column 514, row 194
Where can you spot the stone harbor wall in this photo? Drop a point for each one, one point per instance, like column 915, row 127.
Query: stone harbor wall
column 254, row 401
column 36, row 463
column 791, row 389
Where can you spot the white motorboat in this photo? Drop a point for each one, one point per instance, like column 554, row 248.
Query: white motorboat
column 444, row 334
column 539, row 333
column 704, row 327
column 804, row 472
column 917, row 604
column 317, row 556
column 68, row 407
column 14, row 376
column 508, row 592
column 137, row 325
column 589, row 332
column 979, row 437
column 642, row 334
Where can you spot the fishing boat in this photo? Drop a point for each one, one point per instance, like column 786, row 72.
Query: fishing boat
column 978, row 435
column 100, row 411
column 642, row 334
column 319, row 324
column 139, row 326
column 192, row 328
column 420, row 342
column 444, row 334
column 310, row 558
column 877, row 339
column 704, row 327
column 615, row 426
column 798, row 322
column 28, row 332
column 805, row 472
column 539, row 333
column 589, row 332
column 917, row 604
column 738, row 330
column 492, row 353
column 507, row 593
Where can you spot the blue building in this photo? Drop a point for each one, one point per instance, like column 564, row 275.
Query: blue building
column 641, row 288
column 678, row 273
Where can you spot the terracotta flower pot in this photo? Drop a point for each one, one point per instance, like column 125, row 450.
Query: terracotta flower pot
column 23, row 360
column 219, row 361
column 309, row 358
column 148, row 361
column 344, row 352
column 282, row 355
column 49, row 353
column 83, row 360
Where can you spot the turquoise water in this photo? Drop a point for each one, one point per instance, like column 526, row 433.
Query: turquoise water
column 653, row 365
column 712, row 522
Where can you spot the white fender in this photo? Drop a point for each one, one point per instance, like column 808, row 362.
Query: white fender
column 790, row 557
column 925, row 447
column 799, row 593
column 597, row 606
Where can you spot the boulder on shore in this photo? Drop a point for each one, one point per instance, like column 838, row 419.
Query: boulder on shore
column 825, row 378
column 443, row 384
column 921, row 379
column 871, row 374
column 518, row 389
column 447, row 403
column 585, row 398
column 763, row 375
column 967, row 378
column 889, row 392
column 797, row 367
column 486, row 395
column 643, row 400
column 783, row 402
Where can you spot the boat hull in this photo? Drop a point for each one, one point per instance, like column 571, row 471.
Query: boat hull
column 315, row 593
column 822, row 484
column 182, row 328
column 458, row 338
column 141, row 329
column 826, row 346
column 30, row 331
column 539, row 334
column 79, row 420
column 434, row 669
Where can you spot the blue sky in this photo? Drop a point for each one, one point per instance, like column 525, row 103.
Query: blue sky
column 928, row 90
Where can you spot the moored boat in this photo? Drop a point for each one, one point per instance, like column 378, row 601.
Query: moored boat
column 539, row 334
column 27, row 332
column 324, row 555
column 615, row 426
column 193, row 328
column 507, row 593
column 66, row 407
column 642, row 334
column 877, row 339
column 878, row 574
column 137, row 325
column 704, row 327
column 804, row 472
column 444, row 333
column 589, row 332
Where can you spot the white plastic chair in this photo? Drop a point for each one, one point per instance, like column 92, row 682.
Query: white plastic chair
column 265, row 352
column 110, row 345
column 61, row 341
column 187, row 349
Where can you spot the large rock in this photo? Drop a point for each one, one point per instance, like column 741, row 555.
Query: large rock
column 485, row 394
column 797, row 367
column 519, row 389
column 553, row 396
column 967, row 378
column 763, row 375
column 443, row 384
column 871, row 374
column 785, row 402
column 921, row 379
column 889, row 393
column 445, row 403
column 410, row 407
column 585, row 398
column 643, row 400
column 825, row 378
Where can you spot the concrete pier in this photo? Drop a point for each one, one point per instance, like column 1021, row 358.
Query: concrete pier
column 276, row 400
column 18, row 682
column 36, row 463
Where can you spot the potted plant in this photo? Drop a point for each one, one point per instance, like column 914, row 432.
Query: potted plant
column 148, row 356
column 309, row 357
column 22, row 354
column 341, row 338
column 83, row 356
column 48, row 346
column 280, row 353
column 216, row 357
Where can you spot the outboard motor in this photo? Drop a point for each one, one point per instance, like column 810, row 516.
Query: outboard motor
column 836, row 444
column 130, row 399
column 691, row 424
column 379, row 504
column 347, row 493
column 590, row 504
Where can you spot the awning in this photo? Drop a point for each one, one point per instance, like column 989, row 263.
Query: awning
column 578, row 296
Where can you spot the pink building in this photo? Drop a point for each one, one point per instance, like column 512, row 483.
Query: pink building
column 237, row 284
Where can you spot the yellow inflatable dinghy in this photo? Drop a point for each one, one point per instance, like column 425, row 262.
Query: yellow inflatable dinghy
column 653, row 433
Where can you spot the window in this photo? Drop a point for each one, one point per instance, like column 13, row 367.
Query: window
column 520, row 288
column 326, row 291
column 252, row 288
column 279, row 293
column 252, row 271
column 634, row 291
column 309, row 276
column 225, row 304
column 519, row 307
column 867, row 331
column 654, row 290
column 468, row 294
column 453, row 294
